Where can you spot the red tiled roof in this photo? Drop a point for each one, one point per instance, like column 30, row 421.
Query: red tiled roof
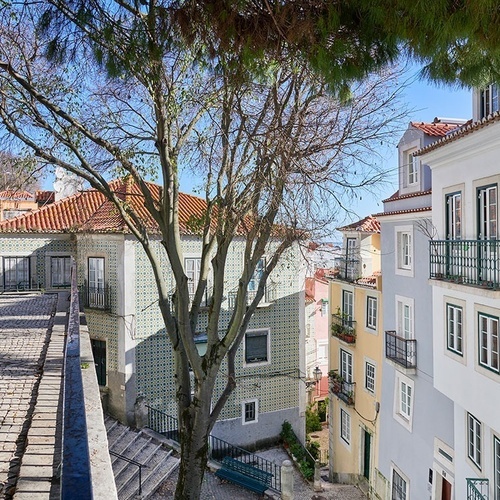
column 464, row 130
column 399, row 212
column 9, row 194
column 396, row 196
column 369, row 225
column 91, row 211
column 435, row 129
column 44, row 196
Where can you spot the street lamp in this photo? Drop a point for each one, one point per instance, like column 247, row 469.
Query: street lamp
column 317, row 374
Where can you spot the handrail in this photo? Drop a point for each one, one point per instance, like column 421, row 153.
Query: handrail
column 76, row 480
column 133, row 462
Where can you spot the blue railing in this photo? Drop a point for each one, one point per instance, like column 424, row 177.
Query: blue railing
column 75, row 472
column 167, row 425
column 477, row 489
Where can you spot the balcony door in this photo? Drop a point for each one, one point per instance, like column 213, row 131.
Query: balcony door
column 347, row 308
column 487, row 233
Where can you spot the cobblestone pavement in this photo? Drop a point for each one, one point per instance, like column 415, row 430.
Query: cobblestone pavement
column 214, row 489
column 24, row 333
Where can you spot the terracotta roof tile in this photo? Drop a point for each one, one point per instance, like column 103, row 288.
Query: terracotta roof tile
column 396, row 196
column 464, row 130
column 369, row 225
column 399, row 212
column 90, row 211
column 435, row 129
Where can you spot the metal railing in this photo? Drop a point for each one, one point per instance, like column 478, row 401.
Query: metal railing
column 75, row 470
column 343, row 390
column 96, row 297
column 344, row 328
column 167, row 425
column 133, row 462
column 270, row 295
column 469, row 262
column 348, row 268
column 401, row 350
column 477, row 489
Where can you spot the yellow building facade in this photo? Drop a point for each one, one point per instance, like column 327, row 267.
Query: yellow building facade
column 356, row 356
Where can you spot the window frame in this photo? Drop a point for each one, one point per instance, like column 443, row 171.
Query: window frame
column 253, row 284
column 346, row 359
column 489, row 101
column 345, row 426
column 399, row 495
column 95, row 259
column 490, row 355
column 26, row 273
column 193, row 275
column 453, row 215
column 253, row 402
column 405, row 250
column 455, row 338
column 405, row 325
column 348, row 306
column 412, row 167
column 404, row 406
column 255, row 333
column 496, row 467
column 67, row 261
column 474, row 440
column 371, row 377
column 371, row 312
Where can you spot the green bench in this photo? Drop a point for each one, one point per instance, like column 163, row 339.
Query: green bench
column 245, row 475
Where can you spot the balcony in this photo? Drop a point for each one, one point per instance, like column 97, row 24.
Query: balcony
column 468, row 262
column 342, row 389
column 96, row 297
column 270, row 295
column 348, row 268
column 477, row 489
column 401, row 350
column 344, row 328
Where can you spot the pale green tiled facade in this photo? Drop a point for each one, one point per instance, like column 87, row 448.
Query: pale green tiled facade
column 139, row 360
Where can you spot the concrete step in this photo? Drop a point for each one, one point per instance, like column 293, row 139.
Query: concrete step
column 143, row 448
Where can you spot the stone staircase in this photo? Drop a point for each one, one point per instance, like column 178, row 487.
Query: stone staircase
column 139, row 447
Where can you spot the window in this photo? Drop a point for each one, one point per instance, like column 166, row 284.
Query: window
column 346, row 366
column 412, row 168
column 487, row 212
column 192, row 267
column 404, row 320
column 404, row 396
column 345, row 426
column 404, row 250
column 405, row 400
column 250, row 411
column 454, row 328
column 16, row 273
column 489, row 100
column 474, row 439
column 99, row 353
column 60, row 271
column 253, row 284
column 96, row 291
column 488, row 342
column 496, row 460
column 322, row 352
column 347, row 307
column 257, row 346
column 454, row 216
column 324, row 307
column 369, row 376
column 371, row 313
column 399, row 487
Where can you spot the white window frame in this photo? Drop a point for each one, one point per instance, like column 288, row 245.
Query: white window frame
column 24, row 273
column 371, row 312
column 345, row 426
column 403, row 493
column 370, row 374
column 453, row 203
column 404, row 400
column 324, row 307
column 66, row 271
column 255, row 403
column 404, row 245
column 405, row 314
column 192, row 268
column 489, row 100
column 412, row 167
column 100, row 273
column 348, row 306
column 346, row 368
column 454, row 328
column 263, row 331
column 322, row 352
column 488, row 338
column 474, row 440
column 254, row 282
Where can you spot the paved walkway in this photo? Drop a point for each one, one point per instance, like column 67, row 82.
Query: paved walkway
column 214, row 489
column 25, row 322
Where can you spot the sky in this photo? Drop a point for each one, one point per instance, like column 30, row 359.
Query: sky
column 427, row 102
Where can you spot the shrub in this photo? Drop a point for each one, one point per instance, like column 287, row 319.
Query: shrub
column 313, row 449
column 312, row 421
column 297, row 451
column 306, row 469
column 287, row 434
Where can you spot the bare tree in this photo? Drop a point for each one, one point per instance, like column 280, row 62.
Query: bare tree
column 277, row 154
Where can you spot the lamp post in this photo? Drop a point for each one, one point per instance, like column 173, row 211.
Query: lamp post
column 317, row 374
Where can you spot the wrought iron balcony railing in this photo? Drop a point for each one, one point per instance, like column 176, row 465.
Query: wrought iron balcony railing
column 96, row 297
column 270, row 295
column 477, row 489
column 348, row 268
column 469, row 262
column 342, row 389
column 401, row 350
column 344, row 328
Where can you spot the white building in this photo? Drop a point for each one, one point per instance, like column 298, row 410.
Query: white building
column 465, row 276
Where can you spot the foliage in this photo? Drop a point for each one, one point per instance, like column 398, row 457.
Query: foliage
column 297, row 450
column 287, row 434
column 312, row 421
column 313, row 447
column 322, row 409
column 306, row 469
